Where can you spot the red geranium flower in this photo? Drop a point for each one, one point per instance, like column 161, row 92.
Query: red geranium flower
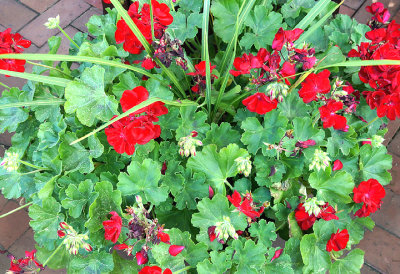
column 381, row 14
column 199, row 76
column 285, row 36
column 141, row 257
column 314, row 84
column 305, row 144
column 329, row 116
column 117, row 137
column 244, row 64
column 338, row 241
column 200, row 69
column 260, row 103
column 127, row 248
column 161, row 13
column 245, row 205
column 304, row 220
column 370, row 193
column 112, row 227
column 141, row 130
column 327, row 213
column 175, row 249
column 154, row 270
column 337, row 165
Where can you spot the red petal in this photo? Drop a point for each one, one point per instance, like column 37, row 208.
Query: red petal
column 175, row 249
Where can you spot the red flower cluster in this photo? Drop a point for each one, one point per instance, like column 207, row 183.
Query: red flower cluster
column 306, row 221
column 338, row 241
column 285, row 37
column 199, row 76
column 385, row 80
column 112, row 227
column 12, row 43
column 370, row 193
column 245, row 205
column 154, row 270
column 330, row 118
column 314, row 85
column 381, row 14
column 142, row 19
column 125, row 133
column 17, row 266
column 260, row 103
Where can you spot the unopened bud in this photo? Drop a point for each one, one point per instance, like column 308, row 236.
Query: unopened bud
column 320, row 161
column 376, row 141
column 243, row 165
column 10, row 161
column 225, row 229
column 188, row 145
column 311, row 205
column 53, row 22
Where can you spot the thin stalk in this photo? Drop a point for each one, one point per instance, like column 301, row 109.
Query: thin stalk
column 15, row 210
column 4, row 85
column 205, row 54
column 48, row 67
column 38, row 78
column 31, row 172
column 369, row 123
column 32, row 166
column 68, row 37
column 172, row 5
column 183, row 269
column 54, row 253
column 152, row 20
column 33, row 103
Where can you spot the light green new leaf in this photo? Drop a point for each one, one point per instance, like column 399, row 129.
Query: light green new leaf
column 142, row 179
column 375, row 163
column 248, row 256
column 316, row 259
column 87, row 98
column 261, row 35
column 190, row 121
column 107, row 201
column 351, row 264
column 271, row 131
column 45, row 221
column 192, row 253
column 185, row 27
column 217, row 166
column 94, row 263
column 333, row 189
column 78, row 197
column 265, row 233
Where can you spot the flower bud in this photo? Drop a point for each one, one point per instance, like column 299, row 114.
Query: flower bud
column 243, row 165
column 188, row 145
column 320, row 161
column 61, row 233
column 10, row 162
column 225, row 229
column 376, row 141
column 53, row 22
column 311, row 205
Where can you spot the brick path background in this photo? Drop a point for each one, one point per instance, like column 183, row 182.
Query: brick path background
column 382, row 246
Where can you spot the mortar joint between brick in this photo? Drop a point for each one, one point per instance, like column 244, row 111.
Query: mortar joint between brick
column 374, row 268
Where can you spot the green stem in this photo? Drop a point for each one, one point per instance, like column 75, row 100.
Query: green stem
column 68, row 37
column 152, row 20
column 48, row 67
column 32, row 166
column 183, row 269
column 52, row 254
column 376, row 118
column 228, row 184
column 30, row 172
column 172, row 5
column 15, row 210
column 316, row 119
column 4, row 85
column 279, row 227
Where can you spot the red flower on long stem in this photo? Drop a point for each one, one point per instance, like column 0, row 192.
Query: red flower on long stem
column 370, row 193
column 338, row 241
column 112, row 227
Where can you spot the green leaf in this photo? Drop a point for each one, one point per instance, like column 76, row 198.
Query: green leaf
column 352, row 263
column 341, row 141
column 169, row 123
column 225, row 13
column 264, row 166
column 190, row 5
column 87, row 98
column 304, row 130
column 192, row 254
column 271, row 131
column 333, row 189
column 183, row 27
column 45, row 221
column 249, row 257
column 213, row 211
column 122, row 265
column 332, row 56
column 59, row 261
column 220, row 262
column 217, row 166
column 10, row 184
column 108, row 200
column 293, row 107
column 78, row 197
column 292, row 248
column 294, row 228
column 222, row 135
column 194, row 188
column 315, row 258
column 157, row 89
column 76, row 157
column 265, row 233
column 190, row 121
column 375, row 163
column 94, row 263
column 127, row 81
column 142, row 179
column 261, row 35
column 11, row 117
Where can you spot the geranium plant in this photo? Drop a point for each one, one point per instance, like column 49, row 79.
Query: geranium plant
column 187, row 136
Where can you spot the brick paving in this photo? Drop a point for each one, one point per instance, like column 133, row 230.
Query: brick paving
column 382, row 246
